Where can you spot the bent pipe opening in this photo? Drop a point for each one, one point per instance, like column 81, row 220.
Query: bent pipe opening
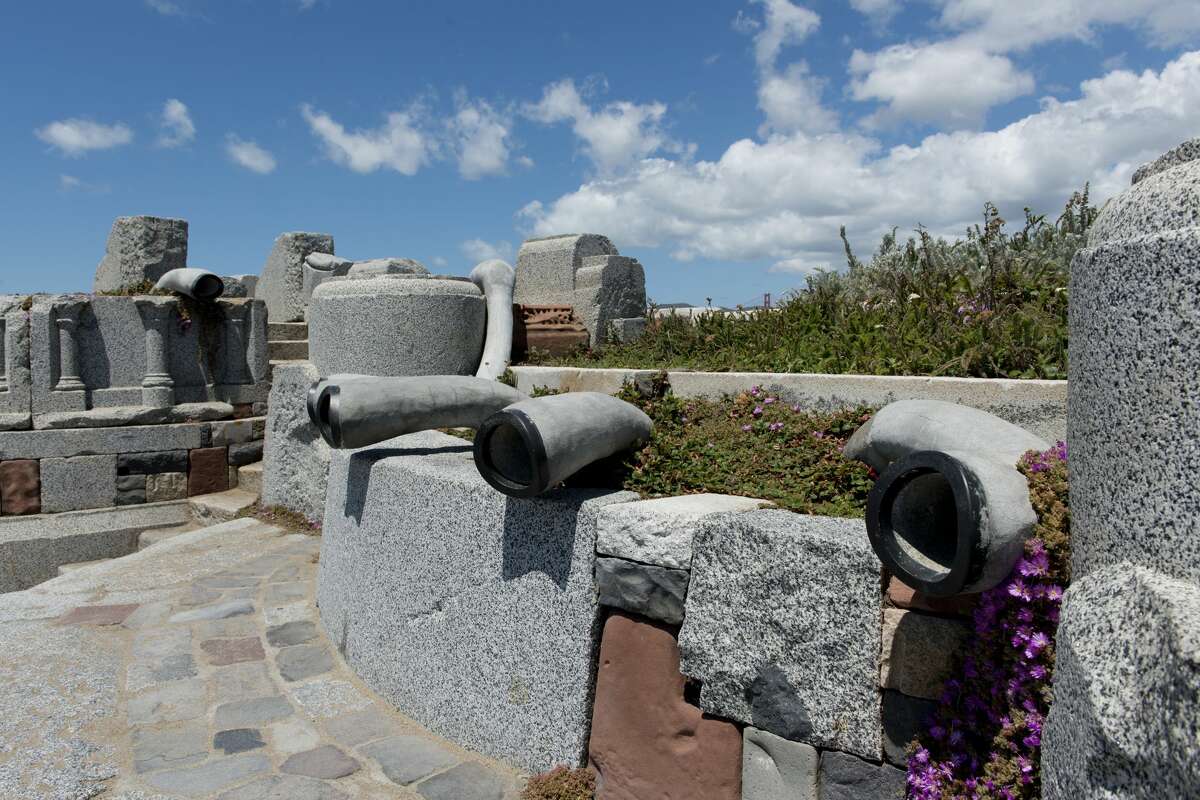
column 532, row 446
column 353, row 411
column 924, row 521
column 198, row 284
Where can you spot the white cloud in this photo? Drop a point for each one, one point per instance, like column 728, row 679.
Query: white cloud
column 791, row 101
column 481, row 138
column 69, row 182
column 879, row 12
column 784, row 23
column 525, row 161
column 398, row 144
column 783, row 199
column 249, row 155
column 479, row 250
column 74, row 137
column 176, row 123
column 613, row 136
column 947, row 83
column 166, row 7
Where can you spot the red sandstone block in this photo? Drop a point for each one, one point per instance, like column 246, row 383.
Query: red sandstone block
column 20, row 487
column 208, row 470
column 647, row 740
column 904, row 596
column 97, row 615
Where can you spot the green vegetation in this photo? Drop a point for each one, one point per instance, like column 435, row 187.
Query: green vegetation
column 991, row 305
column 561, row 783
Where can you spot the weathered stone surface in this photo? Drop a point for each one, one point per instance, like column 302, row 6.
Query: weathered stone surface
column 325, row 762
column 166, row 486
column 295, row 459
column 1126, row 715
column 245, row 453
column 660, row 531
column 20, row 487
column 233, row 431
column 647, row 741
column 483, row 634
column 328, row 698
column 171, row 702
column 902, row 595
column 207, row 471
column 290, row 633
column 229, row 608
column 130, row 483
column 397, row 326
column 238, row 740
column 166, row 747
column 1134, row 371
column 176, row 667
column 360, row 726
column 152, row 463
column 904, row 718
column 65, row 443
column 303, row 661
column 212, row 776
column 406, row 759
column 782, row 626
column 252, row 713
column 221, row 652
column 97, row 615
column 285, row 787
column 294, row 735
column 844, row 777
column 1188, row 151
column 141, row 249
column 919, row 651
column 71, row 484
column 469, row 781
column 245, row 681
column 281, row 283
column 654, row 592
column 374, row 267
column 776, row 769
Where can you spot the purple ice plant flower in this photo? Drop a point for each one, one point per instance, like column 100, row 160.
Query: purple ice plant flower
column 775, row 426
column 758, row 411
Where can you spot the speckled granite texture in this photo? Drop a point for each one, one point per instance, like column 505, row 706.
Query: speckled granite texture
column 472, row 612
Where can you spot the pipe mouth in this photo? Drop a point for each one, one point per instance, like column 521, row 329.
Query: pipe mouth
column 510, row 454
column 208, row 287
column 924, row 520
column 324, row 410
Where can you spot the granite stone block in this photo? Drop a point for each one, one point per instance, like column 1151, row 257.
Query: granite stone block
column 15, row 403
column 776, row 769
column 782, row 626
column 647, row 740
column 166, row 486
column 245, row 453
column 232, row 432
column 484, row 634
column 281, row 282
column 1126, row 715
column 20, row 487
column 654, row 592
column 295, row 458
column 152, row 463
column 1188, row 151
column 919, row 651
column 208, row 470
column 660, row 531
column 141, row 249
column 70, row 442
column 844, row 777
column 70, row 484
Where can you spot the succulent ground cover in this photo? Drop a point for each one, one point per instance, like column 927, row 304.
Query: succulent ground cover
column 984, row 742
column 561, row 783
column 992, row 304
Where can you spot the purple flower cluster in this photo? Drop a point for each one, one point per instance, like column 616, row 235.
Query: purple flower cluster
column 984, row 740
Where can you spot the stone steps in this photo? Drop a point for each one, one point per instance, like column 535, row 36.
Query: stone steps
column 63, row 569
column 287, row 331
column 156, row 535
column 221, row 506
column 250, row 478
column 287, row 350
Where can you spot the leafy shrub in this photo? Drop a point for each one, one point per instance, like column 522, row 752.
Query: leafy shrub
column 561, row 783
column 984, row 742
column 989, row 305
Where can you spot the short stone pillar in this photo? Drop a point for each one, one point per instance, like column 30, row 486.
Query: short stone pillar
column 234, row 341
column 3, row 355
column 158, row 388
column 1126, row 715
column 66, row 322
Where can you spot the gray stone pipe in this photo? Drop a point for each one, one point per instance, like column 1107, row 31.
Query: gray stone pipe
column 950, row 512
column 360, row 410
column 496, row 280
column 198, row 284
column 535, row 444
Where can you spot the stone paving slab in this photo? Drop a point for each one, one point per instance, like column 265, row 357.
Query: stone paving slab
column 197, row 669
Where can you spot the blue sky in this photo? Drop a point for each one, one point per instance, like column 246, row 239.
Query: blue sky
column 722, row 143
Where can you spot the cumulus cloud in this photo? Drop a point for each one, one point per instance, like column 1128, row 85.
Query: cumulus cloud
column 399, row 144
column 879, row 12
column 481, row 138
column 249, row 155
column 479, row 250
column 791, row 101
column 74, row 137
column 951, row 84
column 783, row 23
column 615, row 135
column 176, row 123
column 783, row 199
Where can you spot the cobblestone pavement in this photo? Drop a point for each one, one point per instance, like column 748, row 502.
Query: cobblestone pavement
column 197, row 669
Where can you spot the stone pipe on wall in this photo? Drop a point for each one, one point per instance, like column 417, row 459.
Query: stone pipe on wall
column 530, row 446
column 359, row 410
column 198, row 284
column 950, row 512
column 496, row 279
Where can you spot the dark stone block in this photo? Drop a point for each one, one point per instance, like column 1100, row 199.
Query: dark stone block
column 131, row 483
column 903, row 719
column 847, row 777
column 655, row 592
column 152, row 463
column 246, row 453
column 132, row 497
column 238, row 740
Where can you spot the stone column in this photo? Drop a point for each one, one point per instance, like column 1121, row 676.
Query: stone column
column 158, row 387
column 66, row 320
column 257, row 356
column 234, row 337
column 3, row 354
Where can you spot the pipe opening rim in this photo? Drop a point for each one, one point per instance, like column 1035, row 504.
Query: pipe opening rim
column 936, row 562
column 534, row 450
column 208, row 287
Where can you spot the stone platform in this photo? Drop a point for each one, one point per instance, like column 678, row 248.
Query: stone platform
column 196, row 669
